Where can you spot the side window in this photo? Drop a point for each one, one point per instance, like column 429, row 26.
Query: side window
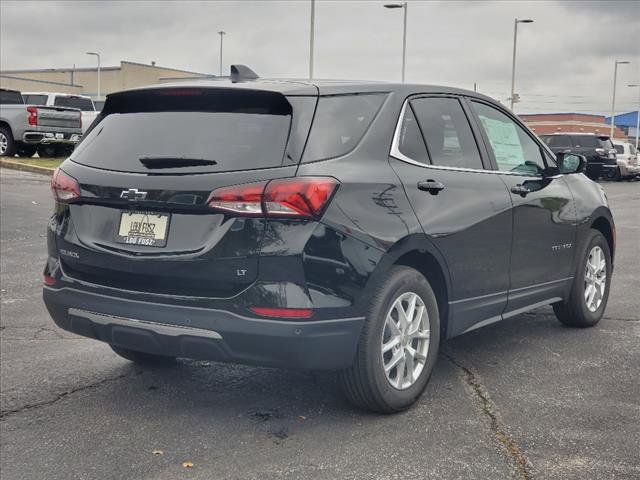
column 513, row 149
column 411, row 143
column 447, row 133
column 340, row 123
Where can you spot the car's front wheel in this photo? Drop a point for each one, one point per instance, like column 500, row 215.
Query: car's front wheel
column 590, row 290
column 398, row 344
column 142, row 358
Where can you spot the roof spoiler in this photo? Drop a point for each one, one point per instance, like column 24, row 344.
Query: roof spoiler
column 241, row 73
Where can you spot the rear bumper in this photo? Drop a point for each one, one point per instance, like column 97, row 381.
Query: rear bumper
column 64, row 138
column 204, row 333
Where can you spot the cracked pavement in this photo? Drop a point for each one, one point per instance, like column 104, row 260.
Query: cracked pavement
column 522, row 399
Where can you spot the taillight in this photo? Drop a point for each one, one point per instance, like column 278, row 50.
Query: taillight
column 241, row 199
column 300, row 197
column 282, row 312
column 49, row 280
column 33, row 116
column 65, row 189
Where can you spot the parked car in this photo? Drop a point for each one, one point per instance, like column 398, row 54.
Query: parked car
column 318, row 225
column 627, row 156
column 25, row 129
column 99, row 104
column 598, row 149
column 81, row 102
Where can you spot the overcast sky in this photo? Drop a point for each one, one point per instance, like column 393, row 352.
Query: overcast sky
column 565, row 58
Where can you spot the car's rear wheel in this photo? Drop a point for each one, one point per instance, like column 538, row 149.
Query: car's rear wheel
column 143, row 358
column 7, row 144
column 590, row 290
column 398, row 344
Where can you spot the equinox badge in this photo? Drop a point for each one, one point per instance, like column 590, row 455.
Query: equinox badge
column 133, row 194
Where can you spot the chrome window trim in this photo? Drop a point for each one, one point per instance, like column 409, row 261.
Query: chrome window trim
column 398, row 155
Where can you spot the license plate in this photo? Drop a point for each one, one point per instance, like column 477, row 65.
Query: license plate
column 143, row 228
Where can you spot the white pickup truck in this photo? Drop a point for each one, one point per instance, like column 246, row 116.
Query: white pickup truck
column 52, row 99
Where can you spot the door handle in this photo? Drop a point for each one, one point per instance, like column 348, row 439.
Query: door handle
column 520, row 190
column 431, row 186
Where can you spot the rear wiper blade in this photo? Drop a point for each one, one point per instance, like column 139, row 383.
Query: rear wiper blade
column 175, row 162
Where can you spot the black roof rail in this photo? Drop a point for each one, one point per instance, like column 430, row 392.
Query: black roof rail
column 241, row 73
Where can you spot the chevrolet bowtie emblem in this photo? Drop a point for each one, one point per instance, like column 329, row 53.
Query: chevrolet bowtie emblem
column 133, row 194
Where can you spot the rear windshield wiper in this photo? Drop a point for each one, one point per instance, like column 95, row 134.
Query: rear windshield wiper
column 175, row 162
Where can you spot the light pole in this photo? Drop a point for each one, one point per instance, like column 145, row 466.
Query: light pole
column 98, row 57
column 222, row 33
column 637, row 85
column 613, row 97
column 312, row 33
column 513, row 63
column 402, row 5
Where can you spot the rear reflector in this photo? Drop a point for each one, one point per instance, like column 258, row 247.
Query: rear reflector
column 49, row 280
column 65, row 188
column 282, row 312
column 300, row 197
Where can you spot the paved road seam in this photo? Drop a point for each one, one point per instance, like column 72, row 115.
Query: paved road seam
column 497, row 428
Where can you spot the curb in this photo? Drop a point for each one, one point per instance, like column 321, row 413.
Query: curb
column 26, row 168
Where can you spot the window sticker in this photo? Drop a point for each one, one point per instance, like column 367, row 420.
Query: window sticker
column 505, row 142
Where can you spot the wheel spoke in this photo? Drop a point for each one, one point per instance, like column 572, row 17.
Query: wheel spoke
column 394, row 361
column 390, row 344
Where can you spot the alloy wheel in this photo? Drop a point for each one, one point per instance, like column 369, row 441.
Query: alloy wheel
column 595, row 278
column 405, row 340
column 4, row 143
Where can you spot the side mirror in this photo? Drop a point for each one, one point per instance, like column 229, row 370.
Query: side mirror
column 571, row 162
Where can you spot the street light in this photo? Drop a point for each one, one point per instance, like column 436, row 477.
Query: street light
column 221, row 33
column 402, row 5
column 637, row 85
column 311, row 37
column 513, row 64
column 613, row 98
column 98, row 56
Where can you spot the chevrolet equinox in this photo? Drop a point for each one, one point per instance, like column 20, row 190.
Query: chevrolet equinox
column 318, row 225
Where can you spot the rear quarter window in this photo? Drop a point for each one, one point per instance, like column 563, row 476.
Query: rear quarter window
column 340, row 123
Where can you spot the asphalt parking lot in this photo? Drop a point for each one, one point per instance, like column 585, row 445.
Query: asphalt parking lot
column 523, row 399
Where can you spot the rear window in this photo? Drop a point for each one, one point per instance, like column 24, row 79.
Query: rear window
column 182, row 132
column 558, row 141
column 35, row 99
column 340, row 123
column 10, row 97
column 84, row 104
column 588, row 141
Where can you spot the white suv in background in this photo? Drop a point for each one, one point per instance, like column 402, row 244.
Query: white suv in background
column 627, row 156
column 52, row 99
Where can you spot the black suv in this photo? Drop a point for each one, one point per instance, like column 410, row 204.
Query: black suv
column 597, row 149
column 327, row 225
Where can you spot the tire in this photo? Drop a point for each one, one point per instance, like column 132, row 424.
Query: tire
column 7, row 143
column 46, row 151
column 574, row 311
column 616, row 175
column 26, row 151
column 142, row 358
column 63, row 151
column 365, row 383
